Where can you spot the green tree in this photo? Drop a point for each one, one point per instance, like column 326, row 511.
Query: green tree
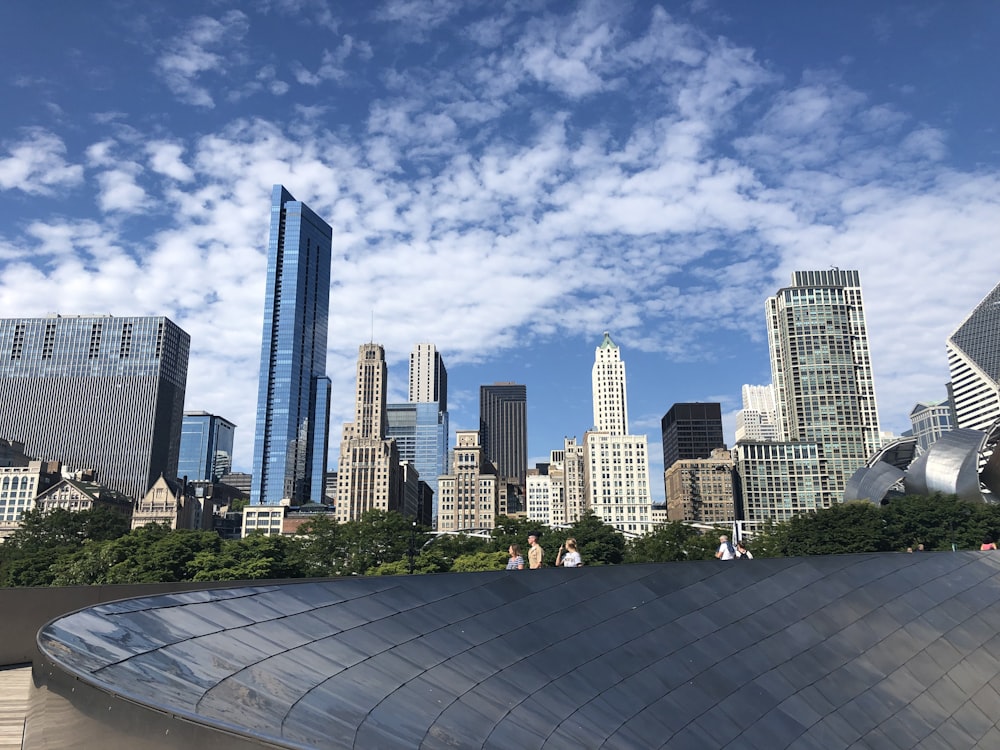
column 599, row 543
column 507, row 531
column 479, row 561
column 255, row 557
column 671, row 542
column 842, row 528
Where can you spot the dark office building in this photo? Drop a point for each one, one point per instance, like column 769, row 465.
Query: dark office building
column 503, row 428
column 691, row 431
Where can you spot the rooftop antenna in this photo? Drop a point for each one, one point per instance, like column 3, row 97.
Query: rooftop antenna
column 373, row 327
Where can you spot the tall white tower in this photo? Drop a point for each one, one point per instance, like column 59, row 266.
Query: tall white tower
column 616, row 464
column 610, row 400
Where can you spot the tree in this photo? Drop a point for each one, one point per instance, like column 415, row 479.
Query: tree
column 507, row 531
column 841, row 528
column 671, row 542
column 599, row 543
column 252, row 558
column 480, row 561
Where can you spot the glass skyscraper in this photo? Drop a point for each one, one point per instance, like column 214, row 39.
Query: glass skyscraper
column 974, row 364
column 293, row 394
column 206, row 451
column 96, row 392
column 421, row 433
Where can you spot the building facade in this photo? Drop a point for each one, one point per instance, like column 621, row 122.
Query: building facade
column 421, row 434
column 779, row 480
column 930, row 420
column 19, row 486
column 368, row 472
column 172, row 504
column 206, row 451
column 757, row 419
column 608, row 388
column 96, row 392
column 503, row 428
column 701, row 489
column 470, row 494
column 428, row 377
column 822, row 373
column 974, row 365
column 691, row 431
column 76, row 495
column 293, row 393
column 616, row 464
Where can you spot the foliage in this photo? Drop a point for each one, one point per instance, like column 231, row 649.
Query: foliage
column 480, row 561
column 507, row 531
column 598, row 543
column 253, row 558
column 671, row 542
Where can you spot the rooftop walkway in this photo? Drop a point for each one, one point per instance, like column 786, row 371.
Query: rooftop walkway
column 14, row 683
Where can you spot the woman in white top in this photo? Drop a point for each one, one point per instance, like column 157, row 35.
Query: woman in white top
column 568, row 556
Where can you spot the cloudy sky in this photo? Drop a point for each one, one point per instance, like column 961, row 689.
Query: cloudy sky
column 508, row 181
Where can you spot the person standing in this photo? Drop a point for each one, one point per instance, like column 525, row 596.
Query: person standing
column 726, row 550
column 742, row 553
column 535, row 553
column 988, row 543
column 516, row 562
column 568, row 556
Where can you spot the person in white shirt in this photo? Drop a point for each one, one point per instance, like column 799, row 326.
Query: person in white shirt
column 742, row 553
column 726, row 550
column 568, row 556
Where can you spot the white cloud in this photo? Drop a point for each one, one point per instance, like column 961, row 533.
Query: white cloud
column 200, row 49
column 165, row 158
column 36, row 165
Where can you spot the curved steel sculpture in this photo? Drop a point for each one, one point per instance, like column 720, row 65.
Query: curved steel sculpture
column 825, row 652
column 961, row 462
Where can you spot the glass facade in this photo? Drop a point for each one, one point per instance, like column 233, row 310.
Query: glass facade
column 293, row 392
column 974, row 365
column 206, row 450
column 421, row 434
column 96, row 392
column 691, row 431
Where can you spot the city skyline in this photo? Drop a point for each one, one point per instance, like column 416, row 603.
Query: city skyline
column 508, row 183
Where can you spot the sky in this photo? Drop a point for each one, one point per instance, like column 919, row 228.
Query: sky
column 508, row 181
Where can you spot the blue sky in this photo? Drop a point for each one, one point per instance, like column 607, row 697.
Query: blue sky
column 507, row 181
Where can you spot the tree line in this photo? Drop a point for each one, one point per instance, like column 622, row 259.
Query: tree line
column 62, row 548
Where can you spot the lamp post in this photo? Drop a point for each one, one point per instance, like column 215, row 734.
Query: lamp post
column 413, row 541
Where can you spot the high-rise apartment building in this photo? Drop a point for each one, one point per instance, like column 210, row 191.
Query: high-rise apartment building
column 293, row 393
column 822, row 373
column 974, row 364
column 503, row 428
column 757, row 420
column 96, row 392
column 470, row 493
column 616, row 464
column 368, row 473
column 206, row 451
column 691, row 431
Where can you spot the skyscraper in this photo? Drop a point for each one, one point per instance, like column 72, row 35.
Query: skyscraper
column 616, row 464
column 428, row 377
column 757, row 420
column 691, row 431
column 96, row 392
column 293, row 394
column 930, row 420
column 206, row 451
column 608, row 381
column 503, row 428
column 974, row 363
column 368, row 471
column 470, row 494
column 420, row 427
column 822, row 373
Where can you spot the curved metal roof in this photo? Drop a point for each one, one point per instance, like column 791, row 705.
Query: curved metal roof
column 817, row 653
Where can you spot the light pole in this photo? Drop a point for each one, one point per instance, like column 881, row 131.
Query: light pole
column 413, row 541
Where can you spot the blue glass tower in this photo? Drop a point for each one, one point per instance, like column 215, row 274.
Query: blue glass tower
column 293, row 394
column 206, row 446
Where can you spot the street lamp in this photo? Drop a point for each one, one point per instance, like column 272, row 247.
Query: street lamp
column 413, row 541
